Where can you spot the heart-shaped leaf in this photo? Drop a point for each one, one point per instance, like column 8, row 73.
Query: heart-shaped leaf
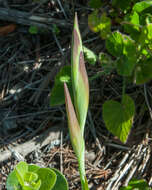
column 118, row 117
column 61, row 182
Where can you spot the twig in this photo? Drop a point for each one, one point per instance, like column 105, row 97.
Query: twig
column 92, row 129
column 117, row 146
column 26, row 148
column 61, row 7
column 25, row 18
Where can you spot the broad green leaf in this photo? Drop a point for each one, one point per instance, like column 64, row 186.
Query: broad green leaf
column 118, row 117
column 143, row 37
column 94, row 21
column 57, row 93
column 20, row 170
column 105, row 26
column 134, row 19
column 47, row 177
column 149, row 32
column 79, row 77
column 143, row 72
column 137, row 185
column 33, row 167
column 96, row 4
column 127, row 62
column 146, row 35
column 100, row 24
column 122, row 47
column 114, row 44
column 132, row 25
column 12, row 182
column 61, row 182
column 89, row 56
column 141, row 6
column 125, row 65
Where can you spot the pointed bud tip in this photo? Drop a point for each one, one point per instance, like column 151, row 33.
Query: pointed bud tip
column 76, row 19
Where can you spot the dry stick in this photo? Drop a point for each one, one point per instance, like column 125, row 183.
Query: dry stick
column 61, row 7
column 35, row 97
column 92, row 129
column 25, row 18
column 52, row 134
column 133, row 159
column 38, row 6
column 116, row 175
column 135, row 166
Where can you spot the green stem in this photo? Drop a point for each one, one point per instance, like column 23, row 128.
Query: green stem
column 84, row 183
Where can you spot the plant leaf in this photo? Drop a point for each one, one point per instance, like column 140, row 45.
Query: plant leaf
column 137, row 184
column 20, row 170
column 57, row 93
column 141, row 6
column 89, row 56
column 114, row 44
column 76, row 135
column 12, row 182
column 118, row 117
column 94, row 21
column 79, row 77
column 105, row 26
column 143, row 72
column 33, row 167
column 132, row 25
column 122, row 47
column 61, row 182
column 74, row 128
column 30, row 176
column 100, row 24
column 47, row 177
